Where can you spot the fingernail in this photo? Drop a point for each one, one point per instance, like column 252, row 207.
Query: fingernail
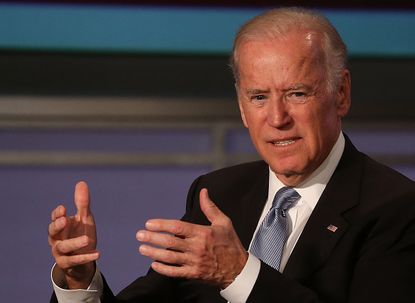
column 140, row 235
column 150, row 224
column 142, row 249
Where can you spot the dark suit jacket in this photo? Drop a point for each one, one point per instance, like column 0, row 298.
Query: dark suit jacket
column 369, row 258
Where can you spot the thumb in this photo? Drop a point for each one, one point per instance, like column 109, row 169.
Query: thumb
column 81, row 200
column 211, row 211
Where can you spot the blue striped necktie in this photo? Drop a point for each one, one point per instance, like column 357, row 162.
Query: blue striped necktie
column 271, row 236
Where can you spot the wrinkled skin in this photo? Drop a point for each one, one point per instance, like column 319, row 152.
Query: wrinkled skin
column 212, row 253
column 285, row 102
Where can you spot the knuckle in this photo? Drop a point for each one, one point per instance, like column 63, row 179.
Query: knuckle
column 51, row 241
column 227, row 222
column 171, row 257
column 62, row 247
column 170, row 242
column 58, row 247
column 56, row 212
column 51, row 229
column 54, row 249
column 178, row 229
column 53, row 214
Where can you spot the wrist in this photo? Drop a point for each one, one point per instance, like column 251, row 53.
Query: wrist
column 239, row 266
column 80, row 277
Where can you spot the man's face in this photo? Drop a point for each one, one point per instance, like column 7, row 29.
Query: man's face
column 283, row 95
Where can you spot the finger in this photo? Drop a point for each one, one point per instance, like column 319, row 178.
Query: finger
column 161, row 239
column 163, row 255
column 66, row 262
column 175, row 227
column 82, row 200
column 211, row 211
column 56, row 226
column 59, row 211
column 68, row 246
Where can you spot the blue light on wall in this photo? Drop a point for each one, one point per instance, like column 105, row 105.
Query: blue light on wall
column 180, row 30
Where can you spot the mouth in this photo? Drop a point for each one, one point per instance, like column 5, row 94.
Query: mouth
column 285, row 142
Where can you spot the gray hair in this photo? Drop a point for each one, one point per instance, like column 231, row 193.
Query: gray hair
column 279, row 22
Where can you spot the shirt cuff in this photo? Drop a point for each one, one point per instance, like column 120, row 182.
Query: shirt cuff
column 90, row 295
column 239, row 290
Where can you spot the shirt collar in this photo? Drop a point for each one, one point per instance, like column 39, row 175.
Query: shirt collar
column 312, row 188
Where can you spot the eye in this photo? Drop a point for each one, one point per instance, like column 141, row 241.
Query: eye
column 298, row 94
column 258, row 98
column 296, row 97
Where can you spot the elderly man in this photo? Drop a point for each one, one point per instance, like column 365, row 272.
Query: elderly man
column 316, row 221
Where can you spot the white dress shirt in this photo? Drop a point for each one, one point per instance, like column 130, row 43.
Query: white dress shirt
column 238, row 292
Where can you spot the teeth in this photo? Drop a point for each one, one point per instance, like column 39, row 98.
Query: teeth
column 284, row 143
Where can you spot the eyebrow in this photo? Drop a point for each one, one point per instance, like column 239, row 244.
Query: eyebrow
column 256, row 91
column 253, row 91
column 297, row 86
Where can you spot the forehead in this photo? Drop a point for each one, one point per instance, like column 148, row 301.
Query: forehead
column 296, row 51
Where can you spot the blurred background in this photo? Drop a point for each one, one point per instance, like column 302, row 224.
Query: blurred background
column 136, row 98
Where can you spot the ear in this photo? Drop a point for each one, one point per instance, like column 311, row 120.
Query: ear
column 241, row 108
column 344, row 95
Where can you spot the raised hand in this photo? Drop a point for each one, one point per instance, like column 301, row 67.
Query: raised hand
column 73, row 240
column 179, row 249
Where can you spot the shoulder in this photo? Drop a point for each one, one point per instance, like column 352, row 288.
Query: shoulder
column 376, row 190
column 374, row 181
column 386, row 207
column 385, row 181
column 384, row 190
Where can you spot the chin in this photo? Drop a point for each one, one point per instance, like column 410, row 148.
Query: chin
column 286, row 171
column 291, row 178
column 286, row 166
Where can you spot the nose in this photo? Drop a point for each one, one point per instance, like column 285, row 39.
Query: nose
column 277, row 114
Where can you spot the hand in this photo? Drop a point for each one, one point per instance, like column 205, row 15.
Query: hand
column 209, row 253
column 73, row 240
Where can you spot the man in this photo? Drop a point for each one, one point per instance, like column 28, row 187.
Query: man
column 346, row 234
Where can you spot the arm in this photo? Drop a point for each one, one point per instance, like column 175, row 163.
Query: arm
column 358, row 269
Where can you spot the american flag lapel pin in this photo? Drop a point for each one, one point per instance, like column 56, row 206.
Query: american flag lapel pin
column 332, row 228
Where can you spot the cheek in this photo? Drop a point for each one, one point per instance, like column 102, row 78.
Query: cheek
column 253, row 119
column 314, row 125
column 242, row 111
column 324, row 127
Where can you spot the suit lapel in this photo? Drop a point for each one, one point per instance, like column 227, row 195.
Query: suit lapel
column 326, row 224
column 251, row 205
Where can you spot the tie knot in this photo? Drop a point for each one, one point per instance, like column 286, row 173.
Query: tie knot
column 285, row 198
